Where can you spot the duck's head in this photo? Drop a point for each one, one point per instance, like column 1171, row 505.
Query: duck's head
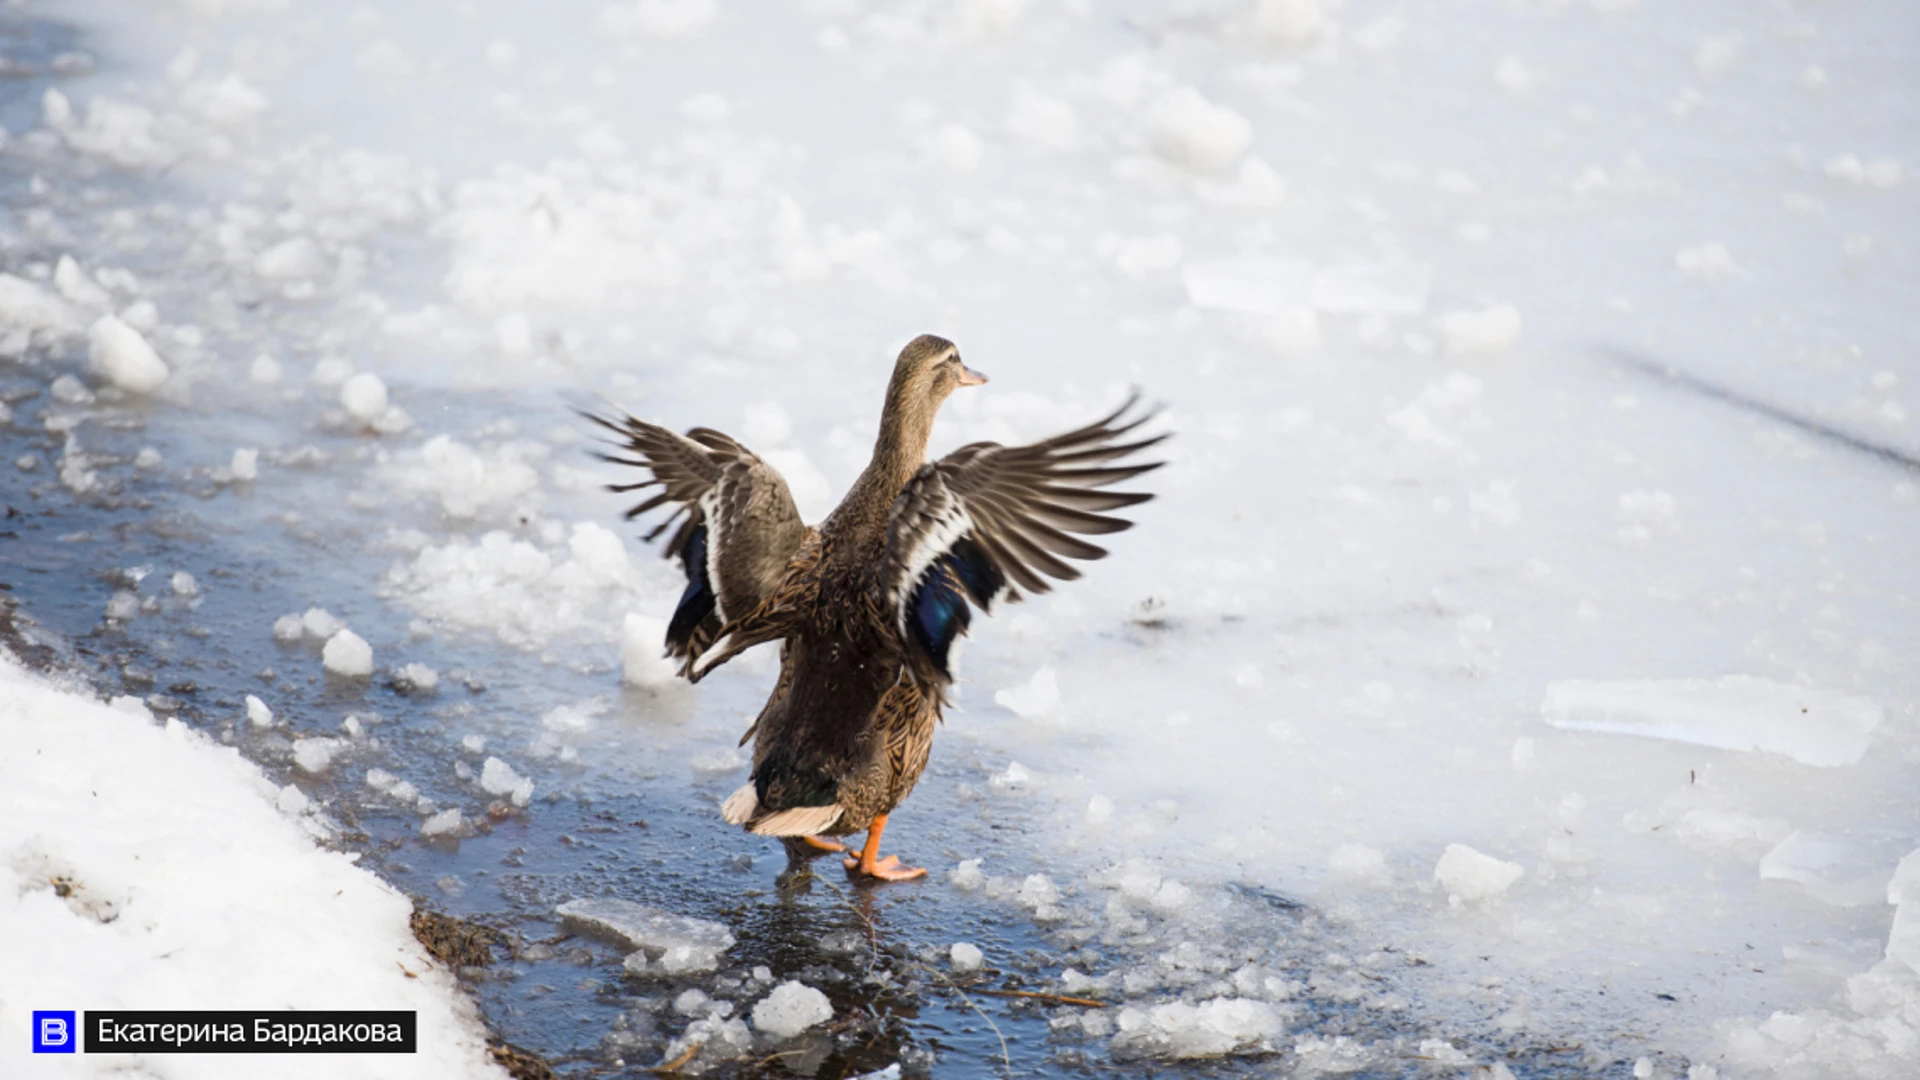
column 928, row 370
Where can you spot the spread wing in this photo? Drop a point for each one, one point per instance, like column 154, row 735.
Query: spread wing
column 734, row 523
column 987, row 521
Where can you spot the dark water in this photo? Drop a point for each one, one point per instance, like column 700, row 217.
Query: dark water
column 628, row 820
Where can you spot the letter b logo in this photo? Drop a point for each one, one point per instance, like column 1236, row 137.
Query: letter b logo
column 53, row 1031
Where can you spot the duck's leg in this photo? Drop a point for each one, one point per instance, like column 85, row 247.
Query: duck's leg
column 818, row 844
column 871, row 865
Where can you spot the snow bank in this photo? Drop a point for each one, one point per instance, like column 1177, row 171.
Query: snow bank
column 1738, row 712
column 188, row 889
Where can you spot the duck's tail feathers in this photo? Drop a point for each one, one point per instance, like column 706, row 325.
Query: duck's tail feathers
column 740, row 805
column 799, row 821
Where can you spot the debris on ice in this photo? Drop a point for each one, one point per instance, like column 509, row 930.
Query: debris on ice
column 122, row 355
column 348, row 654
column 1470, row 876
column 790, row 1009
column 1738, row 712
column 676, row 943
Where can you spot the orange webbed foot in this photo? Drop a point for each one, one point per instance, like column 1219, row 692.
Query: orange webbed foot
column 887, row 869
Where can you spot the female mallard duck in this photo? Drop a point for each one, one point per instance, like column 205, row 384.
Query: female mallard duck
column 868, row 603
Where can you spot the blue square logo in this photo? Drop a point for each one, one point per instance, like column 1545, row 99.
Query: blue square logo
column 55, row 1032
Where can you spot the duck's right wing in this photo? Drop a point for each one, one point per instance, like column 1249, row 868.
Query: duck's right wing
column 734, row 522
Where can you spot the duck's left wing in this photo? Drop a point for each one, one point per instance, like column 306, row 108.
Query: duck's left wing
column 988, row 520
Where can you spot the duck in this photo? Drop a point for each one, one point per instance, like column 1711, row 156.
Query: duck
column 869, row 604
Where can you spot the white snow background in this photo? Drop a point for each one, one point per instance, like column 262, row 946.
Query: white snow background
column 1455, row 618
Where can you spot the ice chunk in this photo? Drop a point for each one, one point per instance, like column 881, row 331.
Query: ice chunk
column 123, row 606
column 291, row 259
column 968, row 876
column 790, row 1009
column 1255, row 286
column 1288, row 22
column 1015, row 777
column 118, row 352
column 1829, row 867
column 1708, row 262
column 419, row 678
column 347, row 653
column 264, row 370
column 315, row 755
column 498, row 778
column 1358, row 862
column 1099, row 810
column 28, row 306
column 245, row 464
column 965, row 958
column 364, row 397
column 1470, row 876
column 1372, row 289
column 1903, row 942
column 257, row 712
column 320, row 623
column 288, row 628
column 292, row 800
column 442, row 823
column 1738, row 712
column 1489, row 330
column 1209, row 1029
column 182, row 584
column 1037, row 697
column 679, row 942
column 1188, row 130
column 643, row 652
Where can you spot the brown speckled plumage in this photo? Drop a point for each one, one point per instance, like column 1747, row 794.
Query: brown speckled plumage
column 868, row 604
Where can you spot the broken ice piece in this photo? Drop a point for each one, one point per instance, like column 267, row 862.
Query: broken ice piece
column 1739, row 712
column 1828, row 867
column 790, row 1009
column 1470, row 876
column 679, row 943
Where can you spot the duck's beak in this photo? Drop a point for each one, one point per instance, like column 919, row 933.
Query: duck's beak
column 970, row 377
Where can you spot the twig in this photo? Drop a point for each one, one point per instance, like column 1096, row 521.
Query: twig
column 1006, row 1055
column 675, row 1065
column 1057, row 999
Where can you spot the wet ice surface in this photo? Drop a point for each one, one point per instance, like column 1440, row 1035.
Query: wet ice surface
column 1397, row 739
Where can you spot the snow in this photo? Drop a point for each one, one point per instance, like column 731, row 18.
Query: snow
column 790, row 1009
column 1039, row 696
column 347, row 654
column 124, row 357
column 643, row 657
column 1737, row 712
column 1471, row 876
column 138, row 931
